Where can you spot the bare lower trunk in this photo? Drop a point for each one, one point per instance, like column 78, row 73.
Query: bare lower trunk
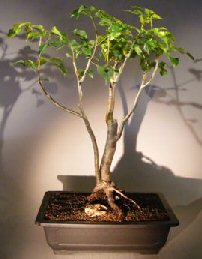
column 106, row 186
column 109, row 151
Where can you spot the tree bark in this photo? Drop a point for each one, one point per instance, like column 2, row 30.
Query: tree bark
column 109, row 150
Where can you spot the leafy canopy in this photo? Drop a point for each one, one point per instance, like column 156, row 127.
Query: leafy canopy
column 113, row 44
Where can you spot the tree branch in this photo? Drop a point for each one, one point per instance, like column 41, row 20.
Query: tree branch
column 110, row 104
column 95, row 146
column 144, row 83
column 112, row 89
column 51, row 99
column 82, row 112
column 90, row 59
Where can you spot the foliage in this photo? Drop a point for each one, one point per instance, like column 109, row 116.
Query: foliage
column 115, row 42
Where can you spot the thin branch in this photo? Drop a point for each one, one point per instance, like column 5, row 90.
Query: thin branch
column 154, row 72
column 74, row 65
column 144, row 83
column 51, row 99
column 79, row 86
column 95, row 146
column 117, row 76
column 112, row 89
column 82, row 112
column 90, row 59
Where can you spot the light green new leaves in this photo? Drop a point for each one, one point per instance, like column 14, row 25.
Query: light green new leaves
column 79, row 11
column 146, row 16
column 17, row 28
column 31, row 31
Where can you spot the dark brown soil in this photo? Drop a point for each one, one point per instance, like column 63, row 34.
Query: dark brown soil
column 66, row 207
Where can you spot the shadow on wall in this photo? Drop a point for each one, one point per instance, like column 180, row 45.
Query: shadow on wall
column 136, row 172
column 175, row 99
column 149, row 176
column 10, row 92
column 12, row 88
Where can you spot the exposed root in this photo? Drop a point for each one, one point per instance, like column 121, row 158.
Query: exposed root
column 127, row 198
column 106, row 194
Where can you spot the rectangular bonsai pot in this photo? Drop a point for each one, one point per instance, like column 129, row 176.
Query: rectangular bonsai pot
column 141, row 237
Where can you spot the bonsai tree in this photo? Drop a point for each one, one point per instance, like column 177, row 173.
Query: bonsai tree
column 114, row 43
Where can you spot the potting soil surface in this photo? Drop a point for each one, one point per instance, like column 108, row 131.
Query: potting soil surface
column 70, row 207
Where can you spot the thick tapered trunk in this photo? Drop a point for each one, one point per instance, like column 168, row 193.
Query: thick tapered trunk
column 109, row 150
column 105, row 184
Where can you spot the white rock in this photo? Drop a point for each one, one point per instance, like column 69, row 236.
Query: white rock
column 95, row 210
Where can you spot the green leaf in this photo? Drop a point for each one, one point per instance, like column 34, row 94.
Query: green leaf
column 174, row 61
column 146, row 16
column 32, row 35
column 17, row 28
column 115, row 31
column 75, row 45
column 61, row 67
column 55, row 42
column 55, row 31
column 137, row 49
column 86, row 51
column 27, row 63
column 68, row 55
column 80, row 73
column 152, row 15
column 81, row 34
column 162, row 68
column 42, row 60
column 183, row 51
column 58, row 63
column 136, row 10
column 105, row 72
column 77, row 12
column 89, row 73
column 43, row 47
column 39, row 27
column 61, row 38
column 190, row 56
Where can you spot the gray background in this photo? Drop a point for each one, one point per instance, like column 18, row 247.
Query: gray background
column 41, row 148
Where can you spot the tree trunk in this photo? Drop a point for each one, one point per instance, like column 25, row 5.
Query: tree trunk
column 106, row 186
column 109, row 150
